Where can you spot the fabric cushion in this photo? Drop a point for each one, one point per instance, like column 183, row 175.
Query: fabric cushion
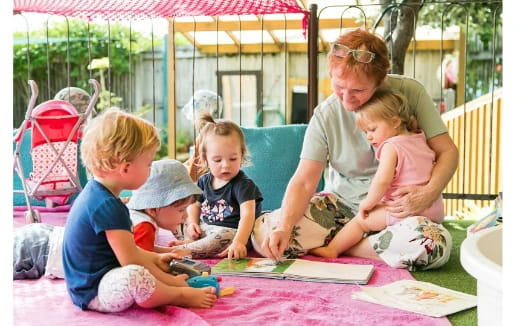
column 274, row 155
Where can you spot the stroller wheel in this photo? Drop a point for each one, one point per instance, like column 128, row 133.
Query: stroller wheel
column 32, row 216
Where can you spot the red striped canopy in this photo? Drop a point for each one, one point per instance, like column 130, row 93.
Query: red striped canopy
column 135, row 9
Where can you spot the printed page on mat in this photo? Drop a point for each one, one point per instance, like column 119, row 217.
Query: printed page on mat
column 295, row 269
column 420, row 297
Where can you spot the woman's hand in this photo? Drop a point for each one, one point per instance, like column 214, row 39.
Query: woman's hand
column 412, row 201
column 275, row 244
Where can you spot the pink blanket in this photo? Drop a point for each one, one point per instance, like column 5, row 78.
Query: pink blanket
column 256, row 301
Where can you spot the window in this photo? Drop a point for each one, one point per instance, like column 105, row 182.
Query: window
column 240, row 92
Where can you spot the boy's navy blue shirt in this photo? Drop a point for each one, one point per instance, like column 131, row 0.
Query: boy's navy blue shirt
column 87, row 255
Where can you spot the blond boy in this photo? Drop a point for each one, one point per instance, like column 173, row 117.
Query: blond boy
column 104, row 269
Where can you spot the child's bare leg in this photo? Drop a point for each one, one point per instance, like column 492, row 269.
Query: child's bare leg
column 180, row 296
column 349, row 235
column 215, row 240
column 352, row 233
column 121, row 287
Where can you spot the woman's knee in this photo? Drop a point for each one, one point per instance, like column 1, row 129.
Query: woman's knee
column 416, row 243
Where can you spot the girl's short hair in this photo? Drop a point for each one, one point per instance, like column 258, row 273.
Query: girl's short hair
column 115, row 136
column 209, row 127
column 376, row 70
column 386, row 104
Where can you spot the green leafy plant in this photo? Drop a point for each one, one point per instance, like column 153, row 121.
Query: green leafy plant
column 484, row 31
column 76, row 42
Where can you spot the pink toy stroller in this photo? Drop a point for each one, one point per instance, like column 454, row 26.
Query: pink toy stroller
column 55, row 127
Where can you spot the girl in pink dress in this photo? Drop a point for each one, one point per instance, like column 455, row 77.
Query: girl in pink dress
column 404, row 159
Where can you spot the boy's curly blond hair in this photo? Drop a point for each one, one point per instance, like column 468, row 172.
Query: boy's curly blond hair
column 114, row 137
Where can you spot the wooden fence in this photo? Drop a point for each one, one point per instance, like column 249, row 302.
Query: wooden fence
column 476, row 131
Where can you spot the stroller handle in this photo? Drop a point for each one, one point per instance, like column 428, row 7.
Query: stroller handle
column 94, row 96
column 32, row 101
column 30, row 107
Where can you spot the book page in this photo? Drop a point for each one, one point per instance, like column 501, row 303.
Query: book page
column 420, row 297
column 251, row 265
column 295, row 269
column 324, row 270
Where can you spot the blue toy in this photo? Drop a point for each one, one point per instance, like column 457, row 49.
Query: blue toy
column 203, row 281
column 210, row 280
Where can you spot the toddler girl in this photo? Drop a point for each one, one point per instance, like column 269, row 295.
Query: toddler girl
column 222, row 219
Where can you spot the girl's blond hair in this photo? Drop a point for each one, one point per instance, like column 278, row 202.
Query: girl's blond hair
column 209, row 127
column 386, row 104
column 114, row 137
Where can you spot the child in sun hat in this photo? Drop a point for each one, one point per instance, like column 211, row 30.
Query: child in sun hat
column 161, row 203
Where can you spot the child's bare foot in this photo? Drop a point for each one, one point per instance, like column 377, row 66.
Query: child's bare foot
column 326, row 252
column 196, row 298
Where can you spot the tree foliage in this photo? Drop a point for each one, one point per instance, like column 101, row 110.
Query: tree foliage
column 481, row 21
column 481, row 17
column 72, row 44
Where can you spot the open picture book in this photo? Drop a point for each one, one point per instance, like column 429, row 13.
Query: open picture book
column 295, row 269
column 416, row 296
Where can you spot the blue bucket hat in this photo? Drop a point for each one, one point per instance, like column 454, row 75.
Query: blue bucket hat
column 168, row 182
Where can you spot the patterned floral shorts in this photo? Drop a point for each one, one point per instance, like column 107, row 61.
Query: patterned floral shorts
column 415, row 243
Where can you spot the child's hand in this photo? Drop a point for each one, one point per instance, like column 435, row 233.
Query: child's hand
column 164, row 264
column 235, row 250
column 362, row 214
column 164, row 261
column 364, row 210
column 193, row 231
column 180, row 253
column 174, row 243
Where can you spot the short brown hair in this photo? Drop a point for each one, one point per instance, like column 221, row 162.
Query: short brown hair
column 114, row 137
column 359, row 38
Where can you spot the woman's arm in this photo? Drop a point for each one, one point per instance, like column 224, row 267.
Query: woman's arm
column 418, row 198
column 299, row 191
column 122, row 243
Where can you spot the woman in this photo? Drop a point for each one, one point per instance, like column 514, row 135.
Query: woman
column 358, row 64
